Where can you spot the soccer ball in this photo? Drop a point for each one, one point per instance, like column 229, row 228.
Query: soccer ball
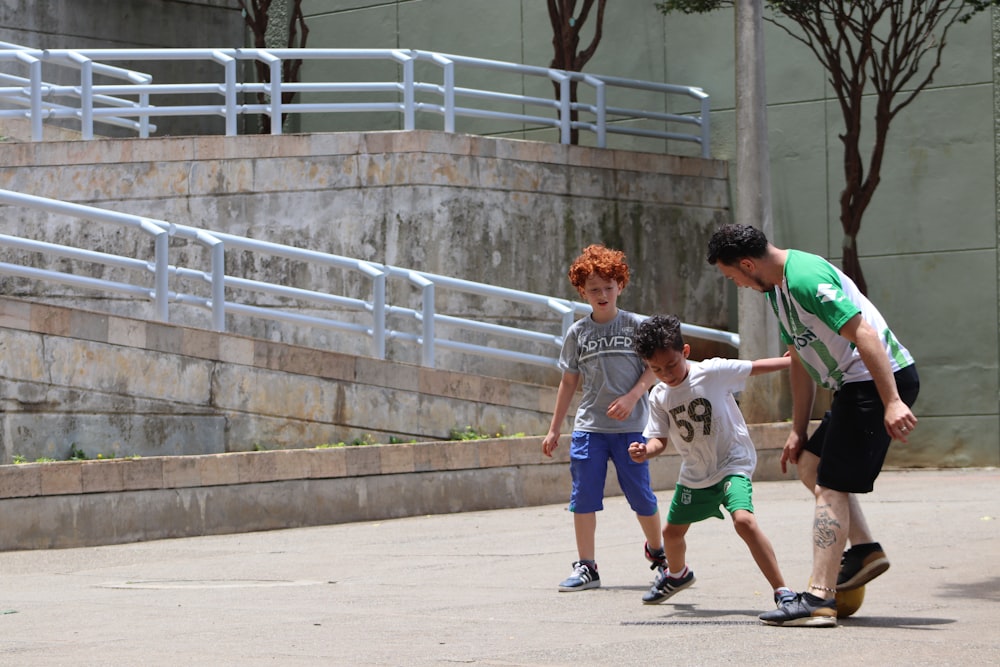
column 849, row 602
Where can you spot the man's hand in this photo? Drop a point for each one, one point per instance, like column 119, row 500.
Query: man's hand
column 899, row 420
column 793, row 447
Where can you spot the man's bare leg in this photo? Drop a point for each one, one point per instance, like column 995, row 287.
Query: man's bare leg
column 859, row 532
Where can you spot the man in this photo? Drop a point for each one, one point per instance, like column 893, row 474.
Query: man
column 840, row 341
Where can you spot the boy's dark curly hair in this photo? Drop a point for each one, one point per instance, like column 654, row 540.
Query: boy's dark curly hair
column 659, row 332
column 731, row 243
column 608, row 264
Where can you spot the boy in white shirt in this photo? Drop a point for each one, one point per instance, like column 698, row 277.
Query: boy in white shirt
column 693, row 405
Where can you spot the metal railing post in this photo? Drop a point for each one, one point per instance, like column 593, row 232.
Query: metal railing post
column 161, row 271
column 229, row 91
column 449, row 93
column 218, row 250
column 706, row 139
column 409, row 95
column 274, row 87
column 568, row 315
column 565, row 117
column 426, row 316
column 602, row 109
column 86, row 95
column 35, row 74
column 378, row 307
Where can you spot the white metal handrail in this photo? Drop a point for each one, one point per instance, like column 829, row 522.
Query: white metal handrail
column 135, row 99
column 429, row 338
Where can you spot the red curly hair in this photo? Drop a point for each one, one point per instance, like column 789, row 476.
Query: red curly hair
column 608, row 264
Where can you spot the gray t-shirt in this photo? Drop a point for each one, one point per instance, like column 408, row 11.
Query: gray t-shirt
column 609, row 367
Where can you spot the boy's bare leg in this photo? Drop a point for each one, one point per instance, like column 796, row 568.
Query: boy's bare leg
column 760, row 547
column 585, row 526
column 651, row 529
column 675, row 546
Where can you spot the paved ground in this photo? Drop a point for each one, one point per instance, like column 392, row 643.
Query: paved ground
column 480, row 588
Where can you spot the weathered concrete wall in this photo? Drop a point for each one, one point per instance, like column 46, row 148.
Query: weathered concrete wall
column 66, row 24
column 74, row 504
column 83, row 24
column 509, row 213
column 121, row 387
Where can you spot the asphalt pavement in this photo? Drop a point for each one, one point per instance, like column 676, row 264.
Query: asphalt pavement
column 480, row 588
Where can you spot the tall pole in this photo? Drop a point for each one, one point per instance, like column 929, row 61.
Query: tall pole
column 758, row 328
column 279, row 25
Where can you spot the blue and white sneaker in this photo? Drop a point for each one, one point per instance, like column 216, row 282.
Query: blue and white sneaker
column 584, row 576
column 666, row 586
column 783, row 595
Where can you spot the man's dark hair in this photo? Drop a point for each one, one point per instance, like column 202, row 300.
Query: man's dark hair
column 659, row 332
column 731, row 243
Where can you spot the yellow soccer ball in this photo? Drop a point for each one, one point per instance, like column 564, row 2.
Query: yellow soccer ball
column 849, row 602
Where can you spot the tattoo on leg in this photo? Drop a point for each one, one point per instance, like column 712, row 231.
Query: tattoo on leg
column 824, row 528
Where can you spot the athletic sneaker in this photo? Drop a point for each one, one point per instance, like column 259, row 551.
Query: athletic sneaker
column 665, row 586
column 805, row 610
column 658, row 558
column 584, row 576
column 860, row 564
column 783, row 595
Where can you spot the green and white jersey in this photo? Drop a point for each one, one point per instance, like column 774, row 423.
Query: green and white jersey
column 812, row 303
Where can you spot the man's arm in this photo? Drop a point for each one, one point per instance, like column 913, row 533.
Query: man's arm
column 803, row 396
column 899, row 420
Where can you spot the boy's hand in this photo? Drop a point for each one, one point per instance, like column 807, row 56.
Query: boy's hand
column 550, row 443
column 621, row 407
column 637, row 451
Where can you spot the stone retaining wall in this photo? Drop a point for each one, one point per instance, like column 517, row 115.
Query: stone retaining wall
column 86, row 503
column 117, row 386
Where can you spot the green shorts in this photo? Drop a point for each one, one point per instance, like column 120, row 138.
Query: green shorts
column 735, row 492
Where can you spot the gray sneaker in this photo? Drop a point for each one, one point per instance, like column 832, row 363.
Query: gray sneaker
column 803, row 610
column 584, row 576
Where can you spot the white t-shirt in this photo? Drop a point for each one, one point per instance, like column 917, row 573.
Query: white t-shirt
column 702, row 420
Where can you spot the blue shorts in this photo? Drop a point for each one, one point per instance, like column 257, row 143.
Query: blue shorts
column 589, row 454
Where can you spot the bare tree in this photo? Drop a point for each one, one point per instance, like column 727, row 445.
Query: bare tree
column 267, row 34
column 566, row 26
column 888, row 48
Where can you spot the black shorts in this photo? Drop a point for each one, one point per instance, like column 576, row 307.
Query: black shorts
column 851, row 441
